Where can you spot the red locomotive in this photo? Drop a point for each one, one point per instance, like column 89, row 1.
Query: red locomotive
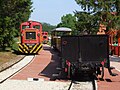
column 45, row 37
column 31, row 37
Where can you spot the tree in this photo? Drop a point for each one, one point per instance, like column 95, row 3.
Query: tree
column 86, row 23
column 107, row 10
column 68, row 21
column 47, row 27
column 12, row 13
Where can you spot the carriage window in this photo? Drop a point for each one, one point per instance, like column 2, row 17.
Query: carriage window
column 25, row 26
column 36, row 26
column 62, row 33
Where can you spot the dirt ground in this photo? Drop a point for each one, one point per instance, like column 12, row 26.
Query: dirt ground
column 8, row 58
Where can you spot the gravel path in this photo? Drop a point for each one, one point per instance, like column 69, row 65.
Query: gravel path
column 115, row 62
column 43, row 85
column 116, row 65
column 33, row 85
column 88, row 85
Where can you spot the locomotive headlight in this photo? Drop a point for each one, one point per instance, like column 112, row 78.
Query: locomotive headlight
column 30, row 33
column 30, row 44
column 38, row 34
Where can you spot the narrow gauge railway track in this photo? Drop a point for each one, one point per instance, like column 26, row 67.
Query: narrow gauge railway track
column 77, row 85
column 13, row 69
column 83, row 85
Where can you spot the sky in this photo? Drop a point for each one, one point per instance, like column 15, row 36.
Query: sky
column 51, row 11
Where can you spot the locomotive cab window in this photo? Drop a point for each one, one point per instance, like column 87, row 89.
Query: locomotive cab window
column 30, row 35
column 36, row 26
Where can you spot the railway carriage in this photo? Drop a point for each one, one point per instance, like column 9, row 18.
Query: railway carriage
column 56, row 36
column 84, row 54
column 31, row 37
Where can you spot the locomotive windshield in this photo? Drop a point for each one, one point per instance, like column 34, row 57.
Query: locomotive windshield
column 30, row 35
column 25, row 26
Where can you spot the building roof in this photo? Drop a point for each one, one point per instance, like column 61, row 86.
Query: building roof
column 60, row 29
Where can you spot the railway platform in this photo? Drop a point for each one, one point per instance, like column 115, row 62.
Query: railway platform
column 43, row 66
column 111, row 82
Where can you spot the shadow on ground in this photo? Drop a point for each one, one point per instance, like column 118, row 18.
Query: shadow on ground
column 52, row 73
column 50, row 70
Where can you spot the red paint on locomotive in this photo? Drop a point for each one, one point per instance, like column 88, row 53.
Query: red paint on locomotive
column 31, row 37
column 45, row 37
column 31, row 27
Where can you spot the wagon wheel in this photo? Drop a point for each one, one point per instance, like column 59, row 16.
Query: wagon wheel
column 102, row 71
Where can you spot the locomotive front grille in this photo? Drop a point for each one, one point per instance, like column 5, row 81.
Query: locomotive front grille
column 24, row 48
column 30, row 35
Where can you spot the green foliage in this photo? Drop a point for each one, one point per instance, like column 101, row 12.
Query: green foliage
column 15, row 45
column 68, row 21
column 98, row 5
column 86, row 23
column 47, row 27
column 12, row 13
column 108, row 10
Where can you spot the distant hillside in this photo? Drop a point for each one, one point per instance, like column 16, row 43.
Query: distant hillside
column 47, row 27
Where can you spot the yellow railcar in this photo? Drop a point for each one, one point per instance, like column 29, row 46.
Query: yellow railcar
column 56, row 36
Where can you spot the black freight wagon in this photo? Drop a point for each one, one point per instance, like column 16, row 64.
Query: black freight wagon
column 85, row 54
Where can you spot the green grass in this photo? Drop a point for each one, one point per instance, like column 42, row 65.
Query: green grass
column 7, row 55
